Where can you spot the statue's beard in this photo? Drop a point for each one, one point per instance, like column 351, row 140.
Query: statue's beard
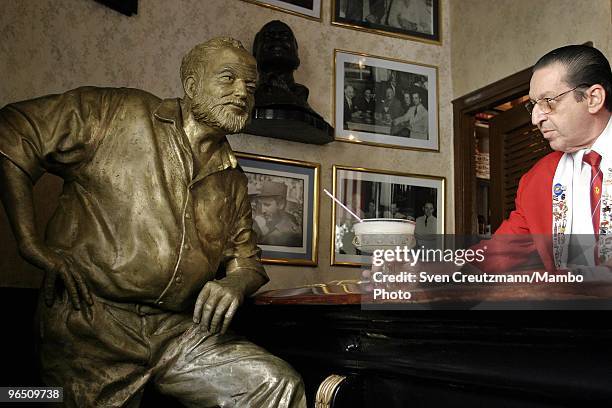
column 214, row 113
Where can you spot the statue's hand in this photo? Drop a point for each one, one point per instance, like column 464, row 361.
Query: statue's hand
column 217, row 303
column 61, row 266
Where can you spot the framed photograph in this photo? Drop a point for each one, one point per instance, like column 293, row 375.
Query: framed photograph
column 417, row 20
column 384, row 194
column 284, row 198
column 385, row 102
column 305, row 8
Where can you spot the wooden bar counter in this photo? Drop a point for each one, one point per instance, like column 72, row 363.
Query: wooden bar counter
column 449, row 346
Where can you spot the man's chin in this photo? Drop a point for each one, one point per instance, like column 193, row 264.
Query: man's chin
column 227, row 125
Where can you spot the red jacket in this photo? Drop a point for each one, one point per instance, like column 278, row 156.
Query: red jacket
column 510, row 246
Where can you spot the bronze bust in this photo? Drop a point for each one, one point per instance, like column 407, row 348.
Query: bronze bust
column 151, row 249
column 276, row 51
column 281, row 104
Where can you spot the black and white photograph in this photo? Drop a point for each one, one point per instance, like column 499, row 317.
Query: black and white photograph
column 387, row 195
column 277, row 203
column 386, row 102
column 306, row 8
column 283, row 195
column 410, row 19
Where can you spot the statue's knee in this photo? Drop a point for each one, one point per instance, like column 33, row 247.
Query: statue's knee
column 292, row 379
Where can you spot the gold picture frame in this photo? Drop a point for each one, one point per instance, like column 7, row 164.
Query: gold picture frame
column 311, row 13
column 410, row 122
column 372, row 193
column 287, row 227
column 424, row 19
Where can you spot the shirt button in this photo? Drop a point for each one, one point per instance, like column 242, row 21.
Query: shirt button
column 161, row 302
column 179, row 279
column 186, row 246
column 188, row 216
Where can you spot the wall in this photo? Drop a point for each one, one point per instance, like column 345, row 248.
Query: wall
column 50, row 46
column 493, row 39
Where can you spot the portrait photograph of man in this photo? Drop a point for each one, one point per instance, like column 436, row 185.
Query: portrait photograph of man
column 277, row 205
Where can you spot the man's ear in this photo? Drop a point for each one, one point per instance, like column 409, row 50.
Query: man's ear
column 596, row 98
column 190, row 86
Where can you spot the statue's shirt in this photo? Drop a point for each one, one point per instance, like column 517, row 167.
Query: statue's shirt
column 132, row 215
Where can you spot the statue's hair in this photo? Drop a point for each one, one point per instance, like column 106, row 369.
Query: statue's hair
column 194, row 59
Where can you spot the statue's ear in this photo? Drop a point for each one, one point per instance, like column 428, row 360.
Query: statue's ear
column 190, row 86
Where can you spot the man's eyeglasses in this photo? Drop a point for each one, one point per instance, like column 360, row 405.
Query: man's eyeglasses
column 544, row 103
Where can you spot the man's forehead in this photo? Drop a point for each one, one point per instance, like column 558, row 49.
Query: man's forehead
column 547, row 80
column 232, row 58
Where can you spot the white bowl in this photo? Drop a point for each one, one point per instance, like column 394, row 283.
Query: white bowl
column 384, row 226
column 383, row 233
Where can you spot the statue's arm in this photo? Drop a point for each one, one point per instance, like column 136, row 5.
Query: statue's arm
column 218, row 300
column 55, row 133
column 16, row 193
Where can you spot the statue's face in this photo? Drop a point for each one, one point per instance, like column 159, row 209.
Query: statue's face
column 277, row 46
column 225, row 95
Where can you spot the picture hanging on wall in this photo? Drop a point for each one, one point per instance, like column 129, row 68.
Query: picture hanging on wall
column 384, row 194
column 284, row 198
column 385, row 102
column 417, row 20
column 305, row 8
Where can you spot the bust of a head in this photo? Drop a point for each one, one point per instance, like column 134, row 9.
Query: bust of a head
column 275, row 48
column 276, row 51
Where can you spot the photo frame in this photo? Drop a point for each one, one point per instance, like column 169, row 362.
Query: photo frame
column 384, row 194
column 385, row 102
column 416, row 20
column 285, row 203
column 310, row 9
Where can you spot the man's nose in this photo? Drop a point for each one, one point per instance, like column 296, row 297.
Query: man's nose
column 240, row 89
column 537, row 116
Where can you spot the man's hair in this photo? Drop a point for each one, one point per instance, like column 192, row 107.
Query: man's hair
column 194, row 60
column 585, row 66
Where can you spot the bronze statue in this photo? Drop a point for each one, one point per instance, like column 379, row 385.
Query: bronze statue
column 151, row 249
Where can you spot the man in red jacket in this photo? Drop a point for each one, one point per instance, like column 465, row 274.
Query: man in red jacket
column 567, row 195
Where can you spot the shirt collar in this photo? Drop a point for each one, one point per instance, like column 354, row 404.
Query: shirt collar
column 169, row 110
column 603, row 143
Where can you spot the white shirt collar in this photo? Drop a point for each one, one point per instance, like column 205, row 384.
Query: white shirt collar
column 603, row 143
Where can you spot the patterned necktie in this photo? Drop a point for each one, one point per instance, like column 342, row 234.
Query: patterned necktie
column 593, row 159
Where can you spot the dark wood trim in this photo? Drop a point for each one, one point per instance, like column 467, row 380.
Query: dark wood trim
column 464, row 109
